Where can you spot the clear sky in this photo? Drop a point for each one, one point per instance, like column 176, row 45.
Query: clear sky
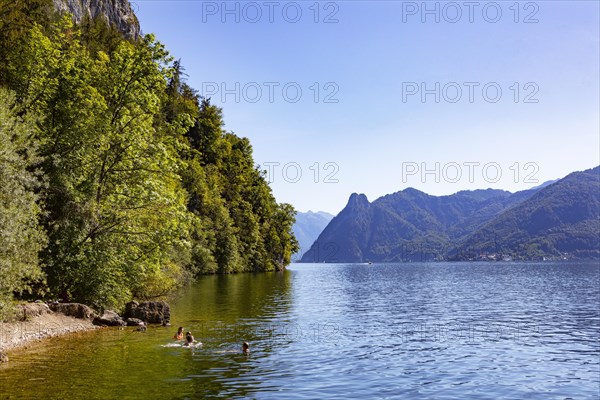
column 376, row 96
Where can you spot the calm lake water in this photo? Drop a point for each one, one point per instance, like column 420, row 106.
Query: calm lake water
column 443, row 330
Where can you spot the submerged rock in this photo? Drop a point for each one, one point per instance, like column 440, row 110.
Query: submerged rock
column 109, row 318
column 135, row 322
column 152, row 312
column 76, row 310
column 3, row 358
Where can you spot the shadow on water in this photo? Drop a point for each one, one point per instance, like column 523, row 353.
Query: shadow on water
column 221, row 311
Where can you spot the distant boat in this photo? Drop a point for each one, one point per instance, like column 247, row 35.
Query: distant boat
column 369, row 262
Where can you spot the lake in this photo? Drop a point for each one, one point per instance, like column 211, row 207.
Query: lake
column 414, row 330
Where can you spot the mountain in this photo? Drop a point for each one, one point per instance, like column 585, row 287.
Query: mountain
column 307, row 229
column 115, row 12
column 547, row 183
column 411, row 225
column 405, row 225
column 560, row 220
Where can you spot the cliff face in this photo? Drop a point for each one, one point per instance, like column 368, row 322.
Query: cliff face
column 116, row 12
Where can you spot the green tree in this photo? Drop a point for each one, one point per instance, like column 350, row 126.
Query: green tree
column 135, row 223
column 233, row 200
column 145, row 189
column 116, row 215
column 281, row 241
column 20, row 235
column 16, row 20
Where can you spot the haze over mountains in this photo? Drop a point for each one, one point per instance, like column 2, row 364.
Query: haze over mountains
column 557, row 220
column 307, row 229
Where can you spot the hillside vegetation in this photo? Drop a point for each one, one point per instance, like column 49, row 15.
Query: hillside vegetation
column 118, row 180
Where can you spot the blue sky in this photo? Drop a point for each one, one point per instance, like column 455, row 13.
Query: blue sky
column 377, row 96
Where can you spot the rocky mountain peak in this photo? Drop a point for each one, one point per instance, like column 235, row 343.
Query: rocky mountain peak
column 358, row 201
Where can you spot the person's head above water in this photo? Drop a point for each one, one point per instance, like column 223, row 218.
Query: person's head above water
column 179, row 334
column 188, row 337
column 246, row 347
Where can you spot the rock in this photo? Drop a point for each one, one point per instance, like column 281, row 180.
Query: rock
column 25, row 312
column 141, row 328
column 135, row 322
column 3, row 358
column 118, row 13
column 76, row 310
column 129, row 307
column 109, row 318
column 152, row 312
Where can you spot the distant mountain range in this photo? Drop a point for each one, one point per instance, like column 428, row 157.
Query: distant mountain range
column 556, row 220
column 307, row 229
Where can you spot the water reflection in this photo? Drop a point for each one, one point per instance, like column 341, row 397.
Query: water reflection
column 439, row 330
column 223, row 312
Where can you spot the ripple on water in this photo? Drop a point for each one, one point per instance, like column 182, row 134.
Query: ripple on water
column 441, row 331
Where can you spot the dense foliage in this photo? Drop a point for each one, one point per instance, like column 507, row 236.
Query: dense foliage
column 21, row 237
column 143, row 187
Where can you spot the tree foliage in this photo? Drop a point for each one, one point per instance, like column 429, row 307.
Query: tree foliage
column 144, row 187
column 21, row 237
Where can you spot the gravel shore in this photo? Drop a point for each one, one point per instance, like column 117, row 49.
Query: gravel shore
column 17, row 334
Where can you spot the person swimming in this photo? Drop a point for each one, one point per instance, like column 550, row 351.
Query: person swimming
column 245, row 348
column 189, row 339
column 179, row 334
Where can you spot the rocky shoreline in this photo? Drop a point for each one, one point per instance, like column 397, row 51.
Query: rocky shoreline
column 38, row 321
column 21, row 333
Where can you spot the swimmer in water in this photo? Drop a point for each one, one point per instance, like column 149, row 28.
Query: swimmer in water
column 189, row 339
column 245, row 348
column 179, row 334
